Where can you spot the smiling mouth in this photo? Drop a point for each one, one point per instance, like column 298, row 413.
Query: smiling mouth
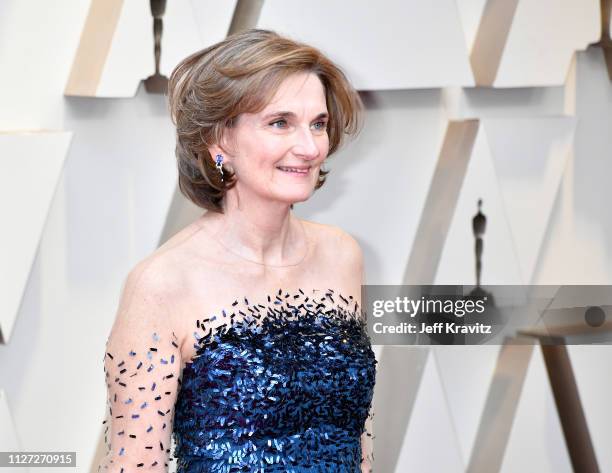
column 292, row 170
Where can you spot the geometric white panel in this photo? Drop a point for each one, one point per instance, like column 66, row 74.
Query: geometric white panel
column 212, row 19
column 485, row 102
column 543, row 38
column 430, row 443
column 8, row 433
column 529, row 156
column 499, row 260
column 466, row 373
column 470, row 13
column 30, row 166
column 38, row 57
column 591, row 364
column 577, row 249
column 536, row 441
column 388, row 45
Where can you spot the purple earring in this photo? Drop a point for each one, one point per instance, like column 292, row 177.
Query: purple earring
column 219, row 166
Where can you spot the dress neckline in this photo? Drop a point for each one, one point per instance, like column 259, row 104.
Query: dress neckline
column 330, row 300
column 278, row 309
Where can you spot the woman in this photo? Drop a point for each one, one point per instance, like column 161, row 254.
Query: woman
column 242, row 335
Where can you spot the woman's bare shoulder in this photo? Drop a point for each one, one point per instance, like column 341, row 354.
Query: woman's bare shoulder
column 333, row 240
column 341, row 257
column 163, row 276
column 164, row 268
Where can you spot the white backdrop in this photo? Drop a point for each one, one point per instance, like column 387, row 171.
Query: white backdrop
column 98, row 200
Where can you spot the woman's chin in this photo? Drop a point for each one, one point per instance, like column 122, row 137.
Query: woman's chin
column 294, row 195
column 294, row 199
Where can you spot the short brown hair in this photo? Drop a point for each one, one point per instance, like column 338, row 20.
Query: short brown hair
column 209, row 89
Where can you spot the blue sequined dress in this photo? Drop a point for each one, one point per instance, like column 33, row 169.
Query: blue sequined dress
column 284, row 386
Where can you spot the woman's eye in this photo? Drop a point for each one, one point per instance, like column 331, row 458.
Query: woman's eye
column 320, row 125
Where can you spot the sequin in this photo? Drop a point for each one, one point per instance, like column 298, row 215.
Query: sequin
column 282, row 387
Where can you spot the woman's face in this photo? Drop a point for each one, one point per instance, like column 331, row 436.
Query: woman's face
column 279, row 151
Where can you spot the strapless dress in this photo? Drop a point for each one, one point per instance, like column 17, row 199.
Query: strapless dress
column 280, row 386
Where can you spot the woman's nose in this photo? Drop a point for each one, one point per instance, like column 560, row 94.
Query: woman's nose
column 306, row 145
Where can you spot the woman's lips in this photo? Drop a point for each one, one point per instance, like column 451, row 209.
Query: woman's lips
column 294, row 170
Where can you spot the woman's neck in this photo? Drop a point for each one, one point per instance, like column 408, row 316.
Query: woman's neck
column 269, row 235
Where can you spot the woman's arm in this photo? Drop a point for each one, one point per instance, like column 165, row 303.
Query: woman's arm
column 142, row 365
column 356, row 273
column 367, row 444
column 367, row 437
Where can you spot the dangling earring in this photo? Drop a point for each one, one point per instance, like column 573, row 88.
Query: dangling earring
column 219, row 166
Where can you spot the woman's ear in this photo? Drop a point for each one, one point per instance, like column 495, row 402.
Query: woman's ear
column 216, row 150
column 225, row 147
column 228, row 142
